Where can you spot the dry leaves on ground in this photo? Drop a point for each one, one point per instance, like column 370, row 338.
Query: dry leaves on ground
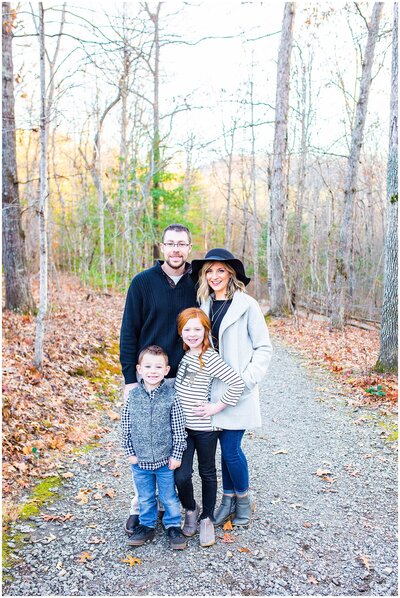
column 351, row 354
column 131, row 561
column 49, row 413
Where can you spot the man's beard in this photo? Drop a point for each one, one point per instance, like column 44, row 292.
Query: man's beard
column 174, row 266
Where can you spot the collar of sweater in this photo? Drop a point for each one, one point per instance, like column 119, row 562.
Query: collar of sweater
column 188, row 267
column 153, row 391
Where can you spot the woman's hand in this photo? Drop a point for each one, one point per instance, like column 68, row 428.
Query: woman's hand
column 208, row 409
column 132, row 459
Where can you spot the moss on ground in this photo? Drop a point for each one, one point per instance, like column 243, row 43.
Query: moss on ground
column 86, row 448
column 42, row 494
column 106, row 372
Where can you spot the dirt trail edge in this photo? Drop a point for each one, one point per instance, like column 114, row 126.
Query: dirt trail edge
column 325, row 524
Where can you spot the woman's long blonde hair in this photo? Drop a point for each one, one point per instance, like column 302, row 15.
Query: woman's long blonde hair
column 204, row 290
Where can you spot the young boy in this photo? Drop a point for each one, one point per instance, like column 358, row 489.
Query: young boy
column 154, row 438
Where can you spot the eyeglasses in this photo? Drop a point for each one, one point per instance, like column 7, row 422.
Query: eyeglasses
column 170, row 245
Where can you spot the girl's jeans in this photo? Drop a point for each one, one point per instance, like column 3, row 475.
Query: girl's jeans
column 146, row 481
column 205, row 445
column 235, row 471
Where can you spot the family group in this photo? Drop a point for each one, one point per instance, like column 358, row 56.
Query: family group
column 194, row 347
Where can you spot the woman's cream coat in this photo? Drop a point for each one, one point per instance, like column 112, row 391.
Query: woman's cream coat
column 244, row 345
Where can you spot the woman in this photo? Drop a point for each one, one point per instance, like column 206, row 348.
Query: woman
column 240, row 334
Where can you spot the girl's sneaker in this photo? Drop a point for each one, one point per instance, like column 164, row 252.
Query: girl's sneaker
column 207, row 533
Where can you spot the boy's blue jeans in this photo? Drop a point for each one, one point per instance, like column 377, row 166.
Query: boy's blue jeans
column 146, row 481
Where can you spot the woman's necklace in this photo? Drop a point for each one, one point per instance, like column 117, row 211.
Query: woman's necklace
column 215, row 314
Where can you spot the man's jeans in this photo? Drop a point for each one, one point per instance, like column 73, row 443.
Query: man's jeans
column 146, row 482
column 205, row 445
column 234, row 468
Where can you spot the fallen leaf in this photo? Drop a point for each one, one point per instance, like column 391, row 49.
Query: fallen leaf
column 92, row 525
column 312, row 579
column 244, row 549
column 66, row 517
column 280, row 452
column 85, row 556
column 97, row 496
column 326, row 478
column 322, row 472
column 229, row 553
column 82, row 496
column 68, row 474
column 131, row 560
column 307, row 524
column 110, row 492
column 227, row 538
column 275, row 501
column 366, row 561
column 228, row 525
column 113, row 415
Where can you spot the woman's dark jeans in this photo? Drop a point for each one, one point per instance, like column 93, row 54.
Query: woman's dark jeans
column 205, row 445
column 235, row 471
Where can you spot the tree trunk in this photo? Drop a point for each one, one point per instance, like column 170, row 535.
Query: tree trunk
column 43, row 197
column 279, row 297
column 256, row 285
column 388, row 353
column 16, row 280
column 126, row 245
column 304, row 111
column 156, row 154
column 343, row 257
column 100, row 200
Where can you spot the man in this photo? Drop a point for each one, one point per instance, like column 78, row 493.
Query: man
column 155, row 298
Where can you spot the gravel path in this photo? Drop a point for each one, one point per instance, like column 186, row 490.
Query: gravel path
column 327, row 534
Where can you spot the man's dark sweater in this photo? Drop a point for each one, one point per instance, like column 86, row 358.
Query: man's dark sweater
column 151, row 309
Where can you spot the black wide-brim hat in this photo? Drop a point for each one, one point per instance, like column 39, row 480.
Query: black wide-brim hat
column 220, row 255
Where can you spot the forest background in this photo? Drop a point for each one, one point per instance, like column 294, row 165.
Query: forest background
column 151, row 122
column 268, row 128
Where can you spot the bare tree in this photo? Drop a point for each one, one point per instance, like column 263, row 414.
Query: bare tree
column 343, row 257
column 156, row 153
column 279, row 298
column 16, row 280
column 388, row 353
column 254, row 195
column 43, row 200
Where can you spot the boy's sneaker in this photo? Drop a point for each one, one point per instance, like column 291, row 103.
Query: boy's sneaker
column 141, row 535
column 177, row 540
column 131, row 524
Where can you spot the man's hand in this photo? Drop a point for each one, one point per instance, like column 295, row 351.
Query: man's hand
column 208, row 409
column 132, row 459
column 128, row 388
column 173, row 463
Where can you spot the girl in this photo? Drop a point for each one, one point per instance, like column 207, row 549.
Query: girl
column 240, row 334
column 198, row 368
